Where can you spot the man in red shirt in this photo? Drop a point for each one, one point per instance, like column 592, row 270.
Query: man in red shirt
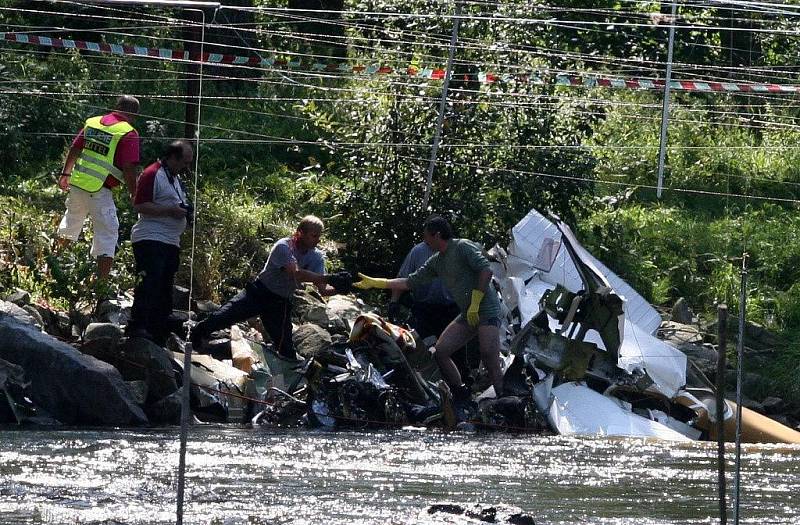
column 104, row 154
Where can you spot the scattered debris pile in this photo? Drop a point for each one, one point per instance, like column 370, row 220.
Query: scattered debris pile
column 581, row 356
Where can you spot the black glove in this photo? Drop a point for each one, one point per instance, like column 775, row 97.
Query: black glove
column 395, row 312
column 341, row 281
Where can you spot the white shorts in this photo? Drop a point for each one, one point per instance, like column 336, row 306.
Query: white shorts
column 100, row 207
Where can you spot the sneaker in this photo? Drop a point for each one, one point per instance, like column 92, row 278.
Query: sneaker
column 465, row 408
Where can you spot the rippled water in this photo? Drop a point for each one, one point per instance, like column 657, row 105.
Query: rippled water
column 242, row 476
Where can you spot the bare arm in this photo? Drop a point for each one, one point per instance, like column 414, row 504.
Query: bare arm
column 130, row 172
column 69, row 165
column 396, row 296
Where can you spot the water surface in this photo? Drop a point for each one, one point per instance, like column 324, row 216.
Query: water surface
column 243, row 476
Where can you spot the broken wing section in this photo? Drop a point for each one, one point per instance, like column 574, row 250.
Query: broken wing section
column 536, row 247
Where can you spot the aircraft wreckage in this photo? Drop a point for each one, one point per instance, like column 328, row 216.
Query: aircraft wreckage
column 579, row 356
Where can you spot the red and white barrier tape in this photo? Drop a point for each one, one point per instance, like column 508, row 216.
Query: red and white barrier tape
column 589, row 81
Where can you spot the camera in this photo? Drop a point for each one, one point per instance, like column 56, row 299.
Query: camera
column 189, row 212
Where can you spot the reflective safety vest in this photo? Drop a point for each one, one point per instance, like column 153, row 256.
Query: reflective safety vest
column 96, row 161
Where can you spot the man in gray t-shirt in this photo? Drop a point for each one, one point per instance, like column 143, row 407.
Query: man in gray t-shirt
column 464, row 270
column 292, row 260
column 432, row 307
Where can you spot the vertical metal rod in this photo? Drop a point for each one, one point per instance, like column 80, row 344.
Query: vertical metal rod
column 440, row 119
column 722, row 344
column 739, row 367
column 662, row 151
column 186, row 412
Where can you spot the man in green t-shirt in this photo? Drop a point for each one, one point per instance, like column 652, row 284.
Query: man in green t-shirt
column 464, row 270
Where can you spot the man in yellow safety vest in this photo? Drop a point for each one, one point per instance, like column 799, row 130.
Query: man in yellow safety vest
column 104, row 154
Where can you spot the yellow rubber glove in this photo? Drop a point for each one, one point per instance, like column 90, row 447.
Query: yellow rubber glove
column 474, row 306
column 367, row 282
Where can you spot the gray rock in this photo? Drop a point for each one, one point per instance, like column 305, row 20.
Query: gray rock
column 180, row 298
column 137, row 359
column 38, row 321
column 74, row 388
column 80, row 316
column 681, row 313
column 139, row 390
column 773, row 405
column 116, row 311
column 309, row 339
column 206, row 307
column 757, row 339
column 303, row 302
column 689, row 340
column 17, row 312
column 102, row 330
column 19, row 297
column 679, row 333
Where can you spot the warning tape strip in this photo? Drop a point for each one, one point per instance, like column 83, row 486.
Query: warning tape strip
column 588, row 81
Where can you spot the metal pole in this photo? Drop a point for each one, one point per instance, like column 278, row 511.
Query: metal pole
column 186, row 412
column 665, row 110
column 440, row 119
column 739, row 361
column 722, row 344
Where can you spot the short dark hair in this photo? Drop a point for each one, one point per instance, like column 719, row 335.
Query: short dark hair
column 436, row 224
column 128, row 104
column 176, row 149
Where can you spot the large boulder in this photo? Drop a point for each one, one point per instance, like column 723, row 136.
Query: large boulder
column 74, row 388
column 17, row 312
column 137, row 359
column 103, row 330
column 309, row 339
column 19, row 297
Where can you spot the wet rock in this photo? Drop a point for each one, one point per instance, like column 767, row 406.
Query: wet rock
column 310, row 339
column 74, row 388
column 19, row 297
column 17, row 312
column 486, row 514
column 681, row 313
column 103, row 330
column 166, row 411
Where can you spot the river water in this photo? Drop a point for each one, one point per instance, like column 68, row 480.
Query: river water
column 243, row 476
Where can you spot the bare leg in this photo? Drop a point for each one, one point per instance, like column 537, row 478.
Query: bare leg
column 454, row 337
column 104, row 266
column 489, row 340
